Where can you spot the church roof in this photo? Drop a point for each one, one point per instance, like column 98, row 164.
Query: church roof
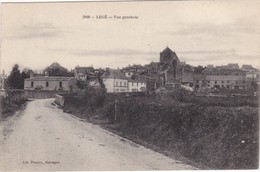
column 167, row 49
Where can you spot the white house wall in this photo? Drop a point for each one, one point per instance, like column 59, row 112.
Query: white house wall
column 113, row 85
column 109, row 84
column 136, row 86
column 53, row 85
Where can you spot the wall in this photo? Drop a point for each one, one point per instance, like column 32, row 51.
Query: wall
column 42, row 94
column 59, row 100
column 53, row 85
column 16, row 96
column 109, row 84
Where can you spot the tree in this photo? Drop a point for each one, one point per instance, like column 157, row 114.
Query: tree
column 55, row 69
column 198, row 70
column 25, row 74
column 14, row 80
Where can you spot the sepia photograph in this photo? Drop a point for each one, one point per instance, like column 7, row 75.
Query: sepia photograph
column 129, row 85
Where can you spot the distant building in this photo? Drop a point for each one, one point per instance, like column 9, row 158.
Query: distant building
column 225, row 78
column 152, row 68
column 251, row 72
column 84, row 73
column 248, row 68
column 136, row 85
column 172, row 70
column 233, row 66
column 229, row 66
column 50, row 83
column 115, row 81
column 129, row 71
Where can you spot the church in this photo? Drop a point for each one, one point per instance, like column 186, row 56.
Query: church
column 173, row 71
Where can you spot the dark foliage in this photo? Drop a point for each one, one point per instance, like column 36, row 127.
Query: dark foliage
column 55, row 69
column 221, row 137
column 198, row 70
column 16, row 79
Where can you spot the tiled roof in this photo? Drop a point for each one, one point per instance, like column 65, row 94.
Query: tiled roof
column 49, row 78
column 113, row 73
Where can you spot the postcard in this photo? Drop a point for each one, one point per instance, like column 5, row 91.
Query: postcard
column 130, row 85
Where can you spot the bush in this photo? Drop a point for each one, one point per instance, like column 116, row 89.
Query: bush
column 220, row 137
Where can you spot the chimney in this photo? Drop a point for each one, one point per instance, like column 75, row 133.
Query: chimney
column 3, row 72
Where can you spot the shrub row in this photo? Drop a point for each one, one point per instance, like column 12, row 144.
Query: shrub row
column 219, row 137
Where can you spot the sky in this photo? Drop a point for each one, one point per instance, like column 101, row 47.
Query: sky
column 35, row 35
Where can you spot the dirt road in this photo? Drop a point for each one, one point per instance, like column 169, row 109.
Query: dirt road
column 42, row 137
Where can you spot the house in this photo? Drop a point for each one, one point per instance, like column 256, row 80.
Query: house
column 251, row 72
column 84, row 73
column 152, row 68
column 136, row 85
column 129, row 71
column 50, row 83
column 225, row 78
column 115, row 81
column 248, row 68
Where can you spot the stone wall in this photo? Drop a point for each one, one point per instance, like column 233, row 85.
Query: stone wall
column 20, row 95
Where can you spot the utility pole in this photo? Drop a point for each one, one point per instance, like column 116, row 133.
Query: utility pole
column 116, row 101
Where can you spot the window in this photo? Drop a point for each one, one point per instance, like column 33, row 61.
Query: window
column 222, row 82
column 132, row 83
column 60, row 84
column 120, row 84
column 125, row 84
column 227, row 81
column 116, row 83
column 47, row 84
column 216, row 82
column 32, row 84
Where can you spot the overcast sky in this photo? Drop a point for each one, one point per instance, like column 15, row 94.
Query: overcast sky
column 201, row 32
